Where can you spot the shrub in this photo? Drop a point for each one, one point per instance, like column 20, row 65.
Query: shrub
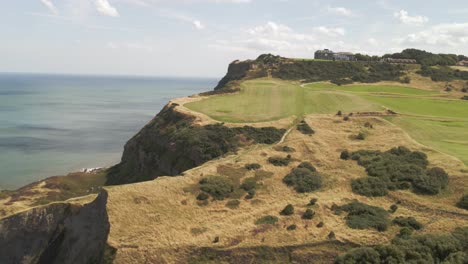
column 443, row 248
column 279, row 162
column 286, row 149
column 303, row 180
column 344, row 155
column 363, row 216
column 407, row 222
column 308, row 214
column 331, row 235
column 346, row 118
column 288, row 210
column 304, row 128
column 320, row 225
column 313, row 201
column 217, row 186
column 361, row 136
column 393, row 208
column 339, row 113
column 360, row 255
column 267, row 220
column 406, row 79
column 291, row 227
column 252, row 166
column 370, row 186
column 202, row 196
column 465, row 97
column 463, row 203
column 233, row 204
column 249, row 184
column 405, row 232
column 250, row 194
column 307, row 165
column 397, row 168
column 464, row 90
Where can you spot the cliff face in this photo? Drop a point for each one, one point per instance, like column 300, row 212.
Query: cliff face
column 171, row 144
column 57, row 233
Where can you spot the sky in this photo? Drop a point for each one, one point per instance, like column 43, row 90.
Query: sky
column 199, row 38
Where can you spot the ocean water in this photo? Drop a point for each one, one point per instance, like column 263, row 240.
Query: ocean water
column 54, row 124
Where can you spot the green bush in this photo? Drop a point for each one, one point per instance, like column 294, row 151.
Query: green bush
column 344, row 155
column 307, row 165
column 217, row 186
column 279, row 161
column 252, row 166
column 267, row 220
column 407, row 222
column 308, row 214
column 370, row 186
column 363, row 216
column 397, row 169
column 405, row 232
column 312, row 202
column 291, row 227
column 288, row 210
column 463, row 203
column 249, row 184
column 250, row 194
column 304, row 128
column 303, row 180
column 203, row 196
column 331, row 235
column 393, row 208
column 429, row 248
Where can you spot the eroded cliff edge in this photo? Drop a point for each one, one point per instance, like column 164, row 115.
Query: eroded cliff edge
column 172, row 143
column 56, row 233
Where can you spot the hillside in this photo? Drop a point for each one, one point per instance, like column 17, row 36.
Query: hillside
column 287, row 161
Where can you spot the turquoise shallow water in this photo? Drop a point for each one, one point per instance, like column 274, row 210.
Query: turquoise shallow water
column 51, row 124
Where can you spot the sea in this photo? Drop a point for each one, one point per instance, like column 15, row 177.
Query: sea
column 55, row 124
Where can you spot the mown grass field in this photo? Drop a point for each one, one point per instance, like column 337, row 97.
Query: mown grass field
column 271, row 99
column 428, row 116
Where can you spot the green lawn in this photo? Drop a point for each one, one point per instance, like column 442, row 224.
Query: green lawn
column 272, row 99
column 446, row 136
column 379, row 89
column 423, row 106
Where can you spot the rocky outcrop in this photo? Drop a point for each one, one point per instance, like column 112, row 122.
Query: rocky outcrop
column 56, row 233
column 171, row 143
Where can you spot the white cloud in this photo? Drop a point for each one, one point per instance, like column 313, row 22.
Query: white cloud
column 330, row 31
column 454, row 34
column 181, row 17
column 50, row 6
column 341, row 11
column 105, row 8
column 404, row 18
column 280, row 39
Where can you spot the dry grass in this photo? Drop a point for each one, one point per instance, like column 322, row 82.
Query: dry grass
column 169, row 224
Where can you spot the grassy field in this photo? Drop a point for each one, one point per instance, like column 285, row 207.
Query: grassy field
column 378, row 89
column 443, row 135
column 272, row 99
column 431, row 119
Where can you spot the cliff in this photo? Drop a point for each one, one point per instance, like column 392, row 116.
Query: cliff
column 171, row 143
column 56, row 233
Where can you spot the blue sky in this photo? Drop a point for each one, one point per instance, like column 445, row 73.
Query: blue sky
column 200, row 37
